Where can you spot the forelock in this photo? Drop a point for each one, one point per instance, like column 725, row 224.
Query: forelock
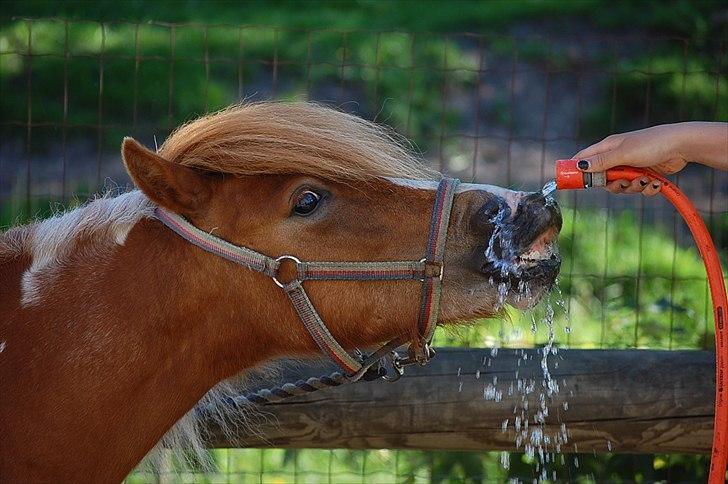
column 273, row 138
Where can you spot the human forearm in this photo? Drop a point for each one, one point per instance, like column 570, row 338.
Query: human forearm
column 665, row 149
column 705, row 143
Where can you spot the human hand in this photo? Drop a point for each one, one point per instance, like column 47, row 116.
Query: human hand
column 656, row 148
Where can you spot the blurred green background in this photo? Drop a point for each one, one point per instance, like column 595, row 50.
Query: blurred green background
column 488, row 91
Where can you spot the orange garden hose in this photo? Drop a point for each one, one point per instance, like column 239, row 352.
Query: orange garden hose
column 568, row 176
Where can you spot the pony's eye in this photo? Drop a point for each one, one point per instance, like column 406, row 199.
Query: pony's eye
column 306, row 203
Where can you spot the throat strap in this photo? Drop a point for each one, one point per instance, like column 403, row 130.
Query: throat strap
column 318, row 330
column 428, row 270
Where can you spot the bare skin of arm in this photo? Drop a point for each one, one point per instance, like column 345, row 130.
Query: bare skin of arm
column 667, row 149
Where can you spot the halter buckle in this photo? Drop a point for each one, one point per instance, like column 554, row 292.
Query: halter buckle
column 278, row 260
column 432, row 269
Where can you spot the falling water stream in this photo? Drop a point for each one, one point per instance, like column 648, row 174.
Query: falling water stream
column 549, row 188
column 529, row 424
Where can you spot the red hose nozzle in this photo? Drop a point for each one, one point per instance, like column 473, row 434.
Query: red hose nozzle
column 570, row 177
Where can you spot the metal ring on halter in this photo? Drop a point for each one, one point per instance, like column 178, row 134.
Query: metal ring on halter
column 278, row 260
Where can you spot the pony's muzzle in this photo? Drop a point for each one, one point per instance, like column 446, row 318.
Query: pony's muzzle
column 519, row 244
column 536, row 223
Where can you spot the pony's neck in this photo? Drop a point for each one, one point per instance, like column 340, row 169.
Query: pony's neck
column 146, row 328
column 199, row 317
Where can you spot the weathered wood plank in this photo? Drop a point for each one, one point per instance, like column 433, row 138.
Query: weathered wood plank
column 634, row 401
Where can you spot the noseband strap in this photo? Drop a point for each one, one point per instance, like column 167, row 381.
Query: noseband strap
column 428, row 270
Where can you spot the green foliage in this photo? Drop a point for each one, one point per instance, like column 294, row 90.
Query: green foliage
column 149, row 76
column 407, row 15
column 661, row 88
column 683, row 17
column 126, row 75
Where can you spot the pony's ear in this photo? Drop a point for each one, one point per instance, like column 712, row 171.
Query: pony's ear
column 175, row 187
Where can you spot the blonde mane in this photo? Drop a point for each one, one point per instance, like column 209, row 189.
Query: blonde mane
column 274, row 138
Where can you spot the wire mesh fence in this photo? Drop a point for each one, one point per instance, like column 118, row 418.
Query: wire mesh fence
column 491, row 108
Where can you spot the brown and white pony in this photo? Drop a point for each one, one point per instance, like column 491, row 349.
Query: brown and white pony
column 112, row 327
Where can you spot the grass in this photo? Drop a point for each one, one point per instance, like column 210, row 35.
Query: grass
column 376, row 466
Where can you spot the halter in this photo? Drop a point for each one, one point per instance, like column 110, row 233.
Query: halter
column 428, row 270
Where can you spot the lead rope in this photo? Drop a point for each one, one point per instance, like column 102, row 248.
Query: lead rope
column 371, row 370
column 428, row 270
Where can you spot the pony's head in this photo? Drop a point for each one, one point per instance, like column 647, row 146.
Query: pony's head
column 322, row 185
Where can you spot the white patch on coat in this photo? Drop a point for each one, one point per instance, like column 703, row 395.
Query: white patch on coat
column 105, row 221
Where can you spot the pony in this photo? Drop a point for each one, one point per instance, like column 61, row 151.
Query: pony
column 112, row 327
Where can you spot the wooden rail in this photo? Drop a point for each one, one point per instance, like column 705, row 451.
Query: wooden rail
column 629, row 401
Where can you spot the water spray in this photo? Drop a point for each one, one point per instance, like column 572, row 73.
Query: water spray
column 569, row 177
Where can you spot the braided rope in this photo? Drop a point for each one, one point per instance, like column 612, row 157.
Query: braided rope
column 279, row 393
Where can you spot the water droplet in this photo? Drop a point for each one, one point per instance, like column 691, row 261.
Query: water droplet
column 549, row 188
column 505, row 460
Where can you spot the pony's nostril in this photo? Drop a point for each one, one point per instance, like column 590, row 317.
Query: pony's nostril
column 484, row 217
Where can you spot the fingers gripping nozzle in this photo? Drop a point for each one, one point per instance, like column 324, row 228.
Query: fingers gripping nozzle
column 570, row 177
